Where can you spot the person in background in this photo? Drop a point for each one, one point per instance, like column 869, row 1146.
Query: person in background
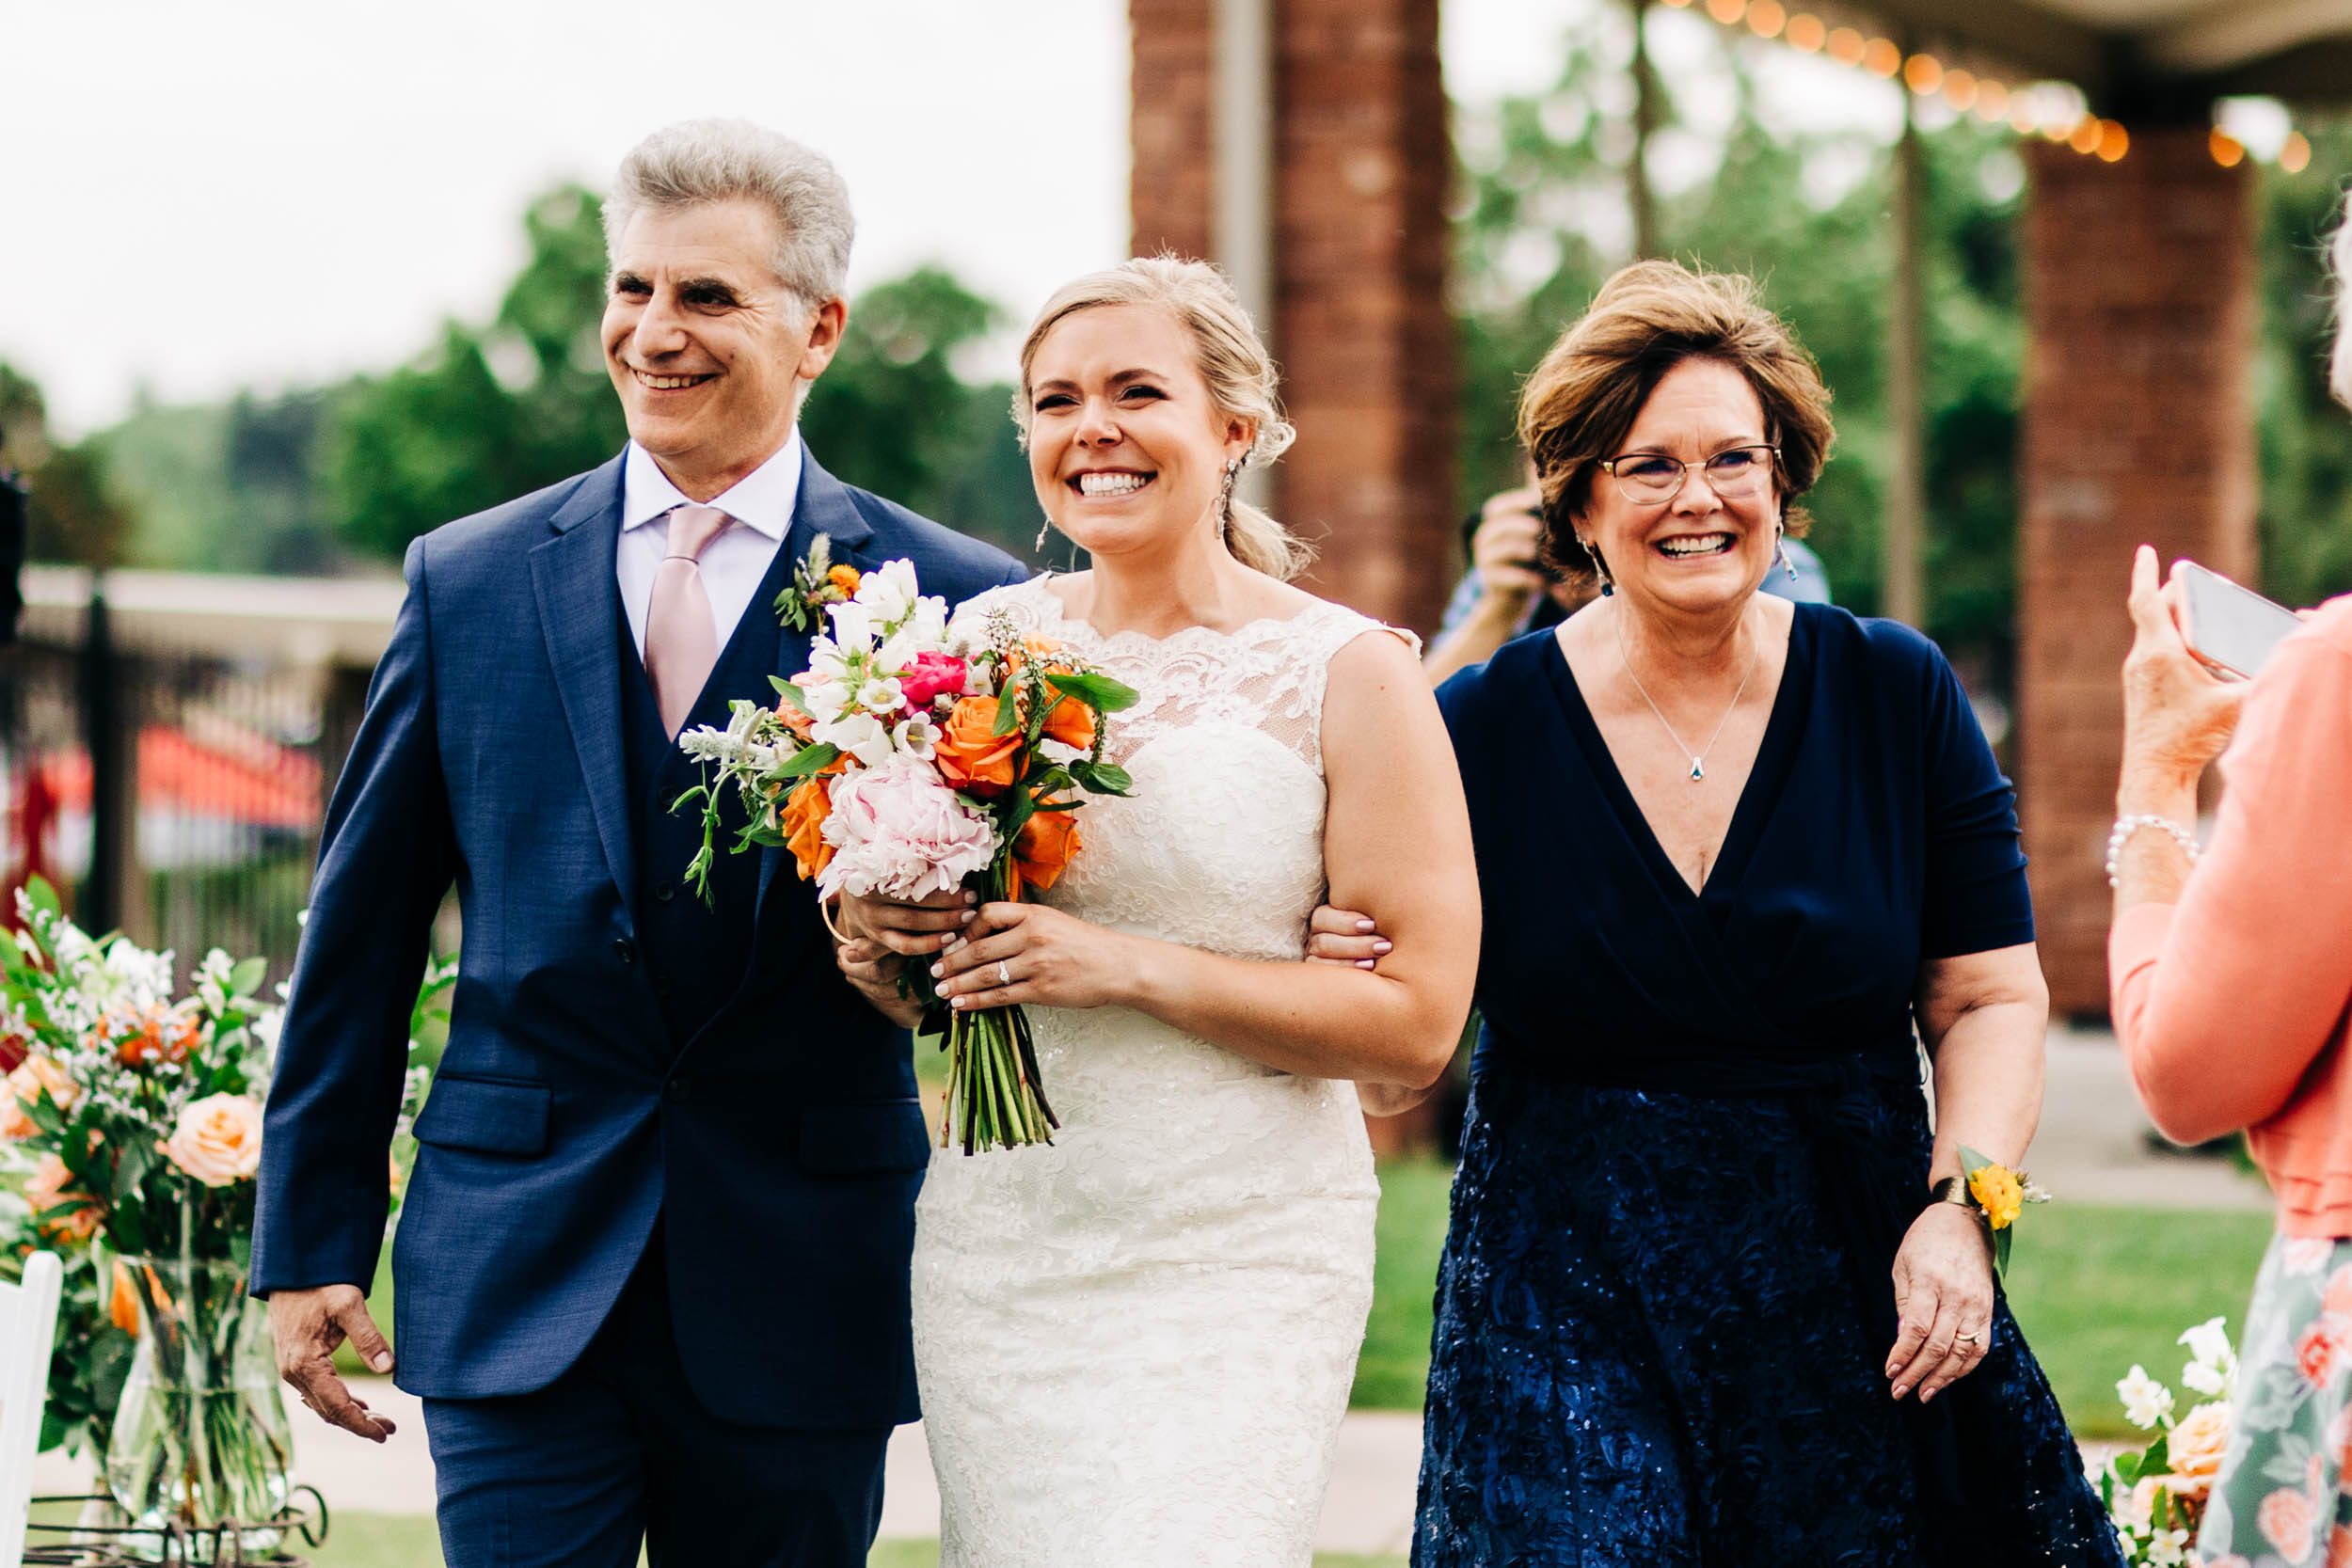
column 1508, row 591
column 2231, row 984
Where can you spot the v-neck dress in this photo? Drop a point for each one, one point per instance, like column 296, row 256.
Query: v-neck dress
column 1697, row 1133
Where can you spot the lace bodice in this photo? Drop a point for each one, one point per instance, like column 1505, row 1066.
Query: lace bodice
column 1136, row 1346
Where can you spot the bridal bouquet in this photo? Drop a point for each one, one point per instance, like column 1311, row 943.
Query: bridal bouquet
column 2157, row 1497
column 914, row 757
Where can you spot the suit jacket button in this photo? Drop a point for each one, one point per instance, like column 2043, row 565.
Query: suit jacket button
column 625, row 950
column 666, row 892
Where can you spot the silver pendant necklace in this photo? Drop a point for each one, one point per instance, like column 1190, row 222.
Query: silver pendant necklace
column 1698, row 758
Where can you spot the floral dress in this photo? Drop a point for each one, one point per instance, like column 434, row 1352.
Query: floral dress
column 2279, row 1500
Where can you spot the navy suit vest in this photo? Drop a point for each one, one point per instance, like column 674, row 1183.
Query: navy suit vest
column 697, row 954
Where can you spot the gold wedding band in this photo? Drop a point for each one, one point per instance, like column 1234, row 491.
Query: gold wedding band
column 1003, row 975
column 1971, row 1339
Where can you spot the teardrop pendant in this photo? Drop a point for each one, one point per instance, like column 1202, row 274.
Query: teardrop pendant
column 1697, row 773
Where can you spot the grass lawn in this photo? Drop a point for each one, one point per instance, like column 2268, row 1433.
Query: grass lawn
column 2095, row 1289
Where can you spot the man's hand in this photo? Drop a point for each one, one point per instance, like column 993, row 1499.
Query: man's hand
column 909, row 930
column 1507, row 548
column 306, row 1325
column 873, row 969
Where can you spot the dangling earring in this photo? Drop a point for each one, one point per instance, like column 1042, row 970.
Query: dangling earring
column 1044, row 529
column 1601, row 568
column 1781, row 554
column 1225, row 496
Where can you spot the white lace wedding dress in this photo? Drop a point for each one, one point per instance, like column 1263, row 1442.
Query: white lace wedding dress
column 1135, row 1346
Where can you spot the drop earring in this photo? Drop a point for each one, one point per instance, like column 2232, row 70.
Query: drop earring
column 1601, row 568
column 1781, row 555
column 1042, row 529
column 1225, row 496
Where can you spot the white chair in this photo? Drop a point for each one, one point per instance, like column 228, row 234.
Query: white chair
column 28, row 1327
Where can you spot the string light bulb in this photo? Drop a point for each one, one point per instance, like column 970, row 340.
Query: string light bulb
column 1766, row 17
column 1880, row 57
column 2294, row 155
column 1923, row 74
column 1807, row 32
column 2227, row 150
column 1726, row 12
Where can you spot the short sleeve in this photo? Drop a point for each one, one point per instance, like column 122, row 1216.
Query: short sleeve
column 1974, row 893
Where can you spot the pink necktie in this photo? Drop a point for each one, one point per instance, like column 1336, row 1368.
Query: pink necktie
column 681, row 641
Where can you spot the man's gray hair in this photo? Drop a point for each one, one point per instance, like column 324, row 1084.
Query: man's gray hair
column 2340, row 258
column 725, row 160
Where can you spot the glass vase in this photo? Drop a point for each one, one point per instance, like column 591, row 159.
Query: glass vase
column 202, row 1444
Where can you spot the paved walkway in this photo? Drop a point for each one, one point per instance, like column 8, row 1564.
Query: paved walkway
column 2093, row 1149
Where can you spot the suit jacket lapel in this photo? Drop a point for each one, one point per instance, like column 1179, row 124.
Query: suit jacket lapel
column 824, row 507
column 572, row 576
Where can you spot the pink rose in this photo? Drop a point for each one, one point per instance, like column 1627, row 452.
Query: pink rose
column 898, row 829
column 50, row 1185
column 931, row 675
column 34, row 1075
column 219, row 1140
column 2286, row 1520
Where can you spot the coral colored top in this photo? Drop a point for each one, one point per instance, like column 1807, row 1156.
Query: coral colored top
column 2234, row 1006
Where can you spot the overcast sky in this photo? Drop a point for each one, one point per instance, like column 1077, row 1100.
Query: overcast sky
column 199, row 196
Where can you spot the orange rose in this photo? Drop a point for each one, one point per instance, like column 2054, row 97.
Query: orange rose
column 122, row 1308
column 803, row 824
column 970, row 755
column 1041, row 851
column 157, row 1038
column 1071, row 722
column 46, row 1189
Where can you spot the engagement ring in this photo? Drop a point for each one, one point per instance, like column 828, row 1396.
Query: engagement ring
column 1003, row 975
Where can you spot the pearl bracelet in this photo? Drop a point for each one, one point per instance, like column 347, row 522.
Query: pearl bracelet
column 2127, row 825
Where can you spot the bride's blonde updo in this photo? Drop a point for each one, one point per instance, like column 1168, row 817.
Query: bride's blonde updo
column 1233, row 362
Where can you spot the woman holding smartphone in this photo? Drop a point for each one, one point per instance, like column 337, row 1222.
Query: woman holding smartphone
column 2231, row 977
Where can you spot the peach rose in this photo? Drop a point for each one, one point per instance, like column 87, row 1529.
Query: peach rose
column 1071, row 722
column 971, row 756
column 2286, row 1521
column 803, row 823
column 219, row 1140
column 33, row 1076
column 50, row 1186
column 2199, row 1441
column 1043, row 850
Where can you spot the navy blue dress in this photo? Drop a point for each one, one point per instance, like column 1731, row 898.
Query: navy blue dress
column 1697, row 1134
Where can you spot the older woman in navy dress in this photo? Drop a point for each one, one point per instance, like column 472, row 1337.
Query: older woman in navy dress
column 1702, row 1303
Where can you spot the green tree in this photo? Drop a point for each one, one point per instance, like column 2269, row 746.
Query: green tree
column 75, row 516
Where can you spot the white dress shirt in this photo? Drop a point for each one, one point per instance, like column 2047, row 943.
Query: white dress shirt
column 734, row 564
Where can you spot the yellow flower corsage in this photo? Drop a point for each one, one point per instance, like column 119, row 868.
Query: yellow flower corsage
column 2001, row 1195
column 816, row 582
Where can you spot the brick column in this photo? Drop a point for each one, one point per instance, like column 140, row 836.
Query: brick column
column 1360, row 252
column 2139, row 428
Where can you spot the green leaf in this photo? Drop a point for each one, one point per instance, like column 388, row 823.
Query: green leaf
column 2000, row 1248
column 810, row 760
column 1008, row 710
column 245, row 979
column 1103, row 778
column 43, row 896
column 789, row 692
column 693, row 796
column 1971, row 1162
column 1099, row 692
column 2158, row 1457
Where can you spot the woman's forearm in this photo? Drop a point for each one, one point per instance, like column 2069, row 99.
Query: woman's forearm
column 1393, row 1026
column 1990, row 1068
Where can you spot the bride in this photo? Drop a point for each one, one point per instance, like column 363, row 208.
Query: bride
column 1136, row 1346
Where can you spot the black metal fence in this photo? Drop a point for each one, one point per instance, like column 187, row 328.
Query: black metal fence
column 167, row 771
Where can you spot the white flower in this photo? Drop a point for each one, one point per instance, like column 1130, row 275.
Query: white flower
column 2168, row 1548
column 888, row 592
column 2208, row 1381
column 2146, row 1402
column 916, row 735
column 860, row 735
column 882, row 695
column 854, row 627
column 266, row 1027
column 2209, row 1343
column 896, row 830
column 929, row 624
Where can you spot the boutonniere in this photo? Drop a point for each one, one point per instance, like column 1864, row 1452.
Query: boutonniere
column 816, row 583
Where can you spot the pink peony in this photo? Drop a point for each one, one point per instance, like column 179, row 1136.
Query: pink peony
column 2286, row 1520
column 929, row 676
column 219, row 1140
column 897, row 831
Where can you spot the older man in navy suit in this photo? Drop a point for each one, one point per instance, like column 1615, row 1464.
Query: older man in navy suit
column 653, row 1264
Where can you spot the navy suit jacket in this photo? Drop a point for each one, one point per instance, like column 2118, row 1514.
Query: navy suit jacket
column 781, row 1145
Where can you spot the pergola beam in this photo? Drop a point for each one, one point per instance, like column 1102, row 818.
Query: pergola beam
column 2229, row 39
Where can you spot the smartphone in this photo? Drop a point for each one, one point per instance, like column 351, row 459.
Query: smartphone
column 2230, row 627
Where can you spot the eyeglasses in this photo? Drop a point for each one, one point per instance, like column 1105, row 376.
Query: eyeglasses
column 1650, row 477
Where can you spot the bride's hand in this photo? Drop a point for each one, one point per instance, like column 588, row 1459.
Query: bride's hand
column 1035, row 955
column 872, row 969
column 905, row 927
column 1345, row 937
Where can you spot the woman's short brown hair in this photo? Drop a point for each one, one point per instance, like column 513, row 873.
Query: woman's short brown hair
column 1578, row 406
